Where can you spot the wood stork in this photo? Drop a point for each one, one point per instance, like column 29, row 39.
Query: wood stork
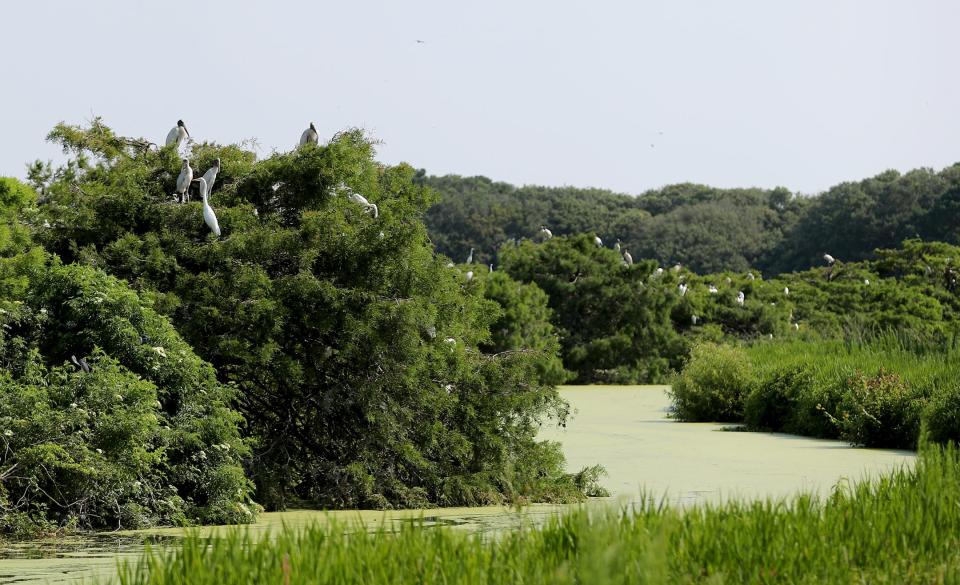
column 309, row 136
column 183, row 182
column 677, row 267
column 209, row 217
column 598, row 241
column 658, row 272
column 830, row 259
column 367, row 206
column 546, row 232
column 712, row 289
column 177, row 134
column 627, row 258
column 211, row 176
column 740, row 298
column 470, row 257
column 683, row 289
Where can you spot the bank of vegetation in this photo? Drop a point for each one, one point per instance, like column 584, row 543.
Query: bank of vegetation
column 902, row 528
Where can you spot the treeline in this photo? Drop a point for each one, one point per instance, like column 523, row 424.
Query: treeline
column 704, row 228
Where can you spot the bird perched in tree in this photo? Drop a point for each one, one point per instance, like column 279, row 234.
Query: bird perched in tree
column 694, row 319
column 677, row 267
column 617, row 245
column 470, row 257
column 367, row 206
column 469, row 275
column 491, row 268
column 309, row 136
column 866, row 281
column 546, row 232
column 81, row 363
column 712, row 289
column 683, row 289
column 627, row 258
column 211, row 176
column 830, row 259
column 740, row 298
column 750, row 276
column 183, row 182
column 598, row 241
column 177, row 134
column 786, row 290
column 209, row 217
column 658, row 272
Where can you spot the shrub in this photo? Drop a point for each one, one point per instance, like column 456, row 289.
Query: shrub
column 941, row 419
column 878, row 411
column 713, row 384
column 773, row 403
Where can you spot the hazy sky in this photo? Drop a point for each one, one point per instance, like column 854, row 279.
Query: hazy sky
column 802, row 94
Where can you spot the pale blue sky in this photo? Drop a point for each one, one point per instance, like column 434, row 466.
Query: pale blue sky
column 802, row 94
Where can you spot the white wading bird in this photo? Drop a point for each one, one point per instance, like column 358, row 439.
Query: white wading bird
column 712, row 289
column 367, row 206
column 786, row 290
column 683, row 289
column 177, row 134
column 750, row 276
column 830, row 259
column 740, row 298
column 677, row 267
column 469, row 275
column 211, row 176
column 546, row 232
column 598, row 241
column 491, row 268
column 208, row 216
column 694, row 319
column 470, row 257
column 627, row 258
column 183, row 182
column 866, row 281
column 309, row 136
column 617, row 245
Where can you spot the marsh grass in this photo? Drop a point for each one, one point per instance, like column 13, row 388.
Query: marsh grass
column 899, row 528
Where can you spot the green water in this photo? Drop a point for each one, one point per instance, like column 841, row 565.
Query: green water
column 623, row 427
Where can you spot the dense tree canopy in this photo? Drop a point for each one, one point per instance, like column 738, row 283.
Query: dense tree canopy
column 354, row 350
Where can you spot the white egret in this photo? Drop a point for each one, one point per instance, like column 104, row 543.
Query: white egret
column 450, row 340
column 658, row 272
column 740, row 298
column 677, row 267
column 211, row 176
column 309, row 136
column 470, row 257
column 598, row 241
column 786, row 290
column 209, row 217
column 178, row 134
column 183, row 182
column 750, row 276
column 491, row 268
column 712, row 289
column 830, row 259
column 617, row 245
column 469, row 275
column 683, row 289
column 866, row 281
column 367, row 206
column 796, row 327
column 627, row 258
column 546, row 232
column 694, row 319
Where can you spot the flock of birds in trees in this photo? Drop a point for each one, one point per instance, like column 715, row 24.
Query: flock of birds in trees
column 179, row 134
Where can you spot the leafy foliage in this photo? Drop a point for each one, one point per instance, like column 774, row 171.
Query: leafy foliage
column 713, row 385
column 354, row 351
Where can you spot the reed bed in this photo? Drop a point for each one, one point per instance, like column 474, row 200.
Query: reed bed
column 899, row 528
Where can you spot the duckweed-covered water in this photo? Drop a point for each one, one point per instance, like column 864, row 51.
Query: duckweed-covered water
column 623, row 427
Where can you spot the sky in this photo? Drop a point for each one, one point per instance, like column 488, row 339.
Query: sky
column 626, row 96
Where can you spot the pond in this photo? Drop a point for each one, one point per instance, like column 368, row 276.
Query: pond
column 623, row 427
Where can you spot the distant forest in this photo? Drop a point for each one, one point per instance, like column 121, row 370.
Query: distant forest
column 704, row 228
